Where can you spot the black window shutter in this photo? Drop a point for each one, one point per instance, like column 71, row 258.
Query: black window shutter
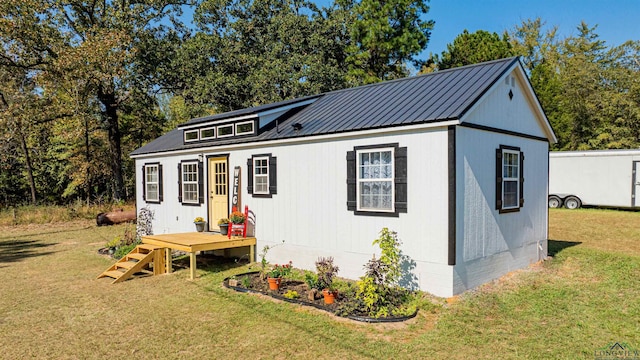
column 273, row 175
column 521, row 179
column 400, row 159
column 160, row 186
column 200, row 182
column 498, row 179
column 351, row 180
column 179, row 183
column 144, row 186
column 250, row 176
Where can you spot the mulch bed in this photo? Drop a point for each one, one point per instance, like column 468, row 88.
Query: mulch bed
column 257, row 285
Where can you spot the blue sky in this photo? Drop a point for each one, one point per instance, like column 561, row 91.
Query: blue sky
column 617, row 20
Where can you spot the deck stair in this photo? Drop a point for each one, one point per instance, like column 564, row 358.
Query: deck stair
column 145, row 258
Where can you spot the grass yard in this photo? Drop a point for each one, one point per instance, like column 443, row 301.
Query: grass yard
column 51, row 306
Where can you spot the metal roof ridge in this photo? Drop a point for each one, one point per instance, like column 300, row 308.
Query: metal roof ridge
column 407, row 78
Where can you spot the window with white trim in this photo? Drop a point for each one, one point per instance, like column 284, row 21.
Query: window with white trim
column 375, row 180
column 190, row 186
column 191, row 135
column 261, row 175
column 152, row 182
column 262, row 179
column 244, row 128
column 509, row 179
column 208, row 133
column 225, row 131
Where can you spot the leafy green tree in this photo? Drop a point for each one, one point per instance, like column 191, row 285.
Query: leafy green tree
column 589, row 92
column 539, row 49
column 385, row 36
column 470, row 48
column 254, row 52
column 61, row 42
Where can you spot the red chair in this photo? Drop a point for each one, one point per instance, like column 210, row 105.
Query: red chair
column 240, row 229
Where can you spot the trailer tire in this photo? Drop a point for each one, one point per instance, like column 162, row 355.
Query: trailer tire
column 555, row 202
column 572, row 202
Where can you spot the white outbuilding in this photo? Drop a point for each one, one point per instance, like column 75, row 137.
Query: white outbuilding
column 456, row 162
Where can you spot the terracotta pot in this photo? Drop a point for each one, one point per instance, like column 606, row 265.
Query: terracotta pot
column 274, row 283
column 329, row 296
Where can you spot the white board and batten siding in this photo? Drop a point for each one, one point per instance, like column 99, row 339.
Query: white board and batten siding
column 166, row 219
column 309, row 211
column 489, row 243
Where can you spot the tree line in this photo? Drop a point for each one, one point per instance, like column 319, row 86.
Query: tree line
column 85, row 82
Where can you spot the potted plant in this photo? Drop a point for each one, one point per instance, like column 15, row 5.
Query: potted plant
column 199, row 221
column 326, row 272
column 275, row 275
column 224, row 226
column 237, row 217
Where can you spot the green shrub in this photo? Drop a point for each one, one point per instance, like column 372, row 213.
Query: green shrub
column 311, row 280
column 378, row 293
column 124, row 250
column 115, row 242
column 291, row 294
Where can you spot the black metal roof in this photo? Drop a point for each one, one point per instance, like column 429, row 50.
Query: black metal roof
column 439, row 96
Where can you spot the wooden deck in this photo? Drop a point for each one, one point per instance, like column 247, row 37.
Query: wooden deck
column 198, row 241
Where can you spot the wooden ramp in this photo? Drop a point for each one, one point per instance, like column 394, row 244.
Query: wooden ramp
column 145, row 258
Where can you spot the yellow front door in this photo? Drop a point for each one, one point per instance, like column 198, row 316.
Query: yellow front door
column 218, row 191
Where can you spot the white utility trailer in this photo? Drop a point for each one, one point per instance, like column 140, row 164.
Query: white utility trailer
column 597, row 178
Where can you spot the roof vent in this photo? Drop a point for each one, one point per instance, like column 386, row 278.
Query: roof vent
column 297, row 126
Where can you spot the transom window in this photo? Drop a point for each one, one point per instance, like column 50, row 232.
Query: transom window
column 244, row 128
column 211, row 131
column 375, row 180
column 151, row 173
column 190, row 182
column 261, row 175
column 191, row 135
column 206, row 134
column 225, row 130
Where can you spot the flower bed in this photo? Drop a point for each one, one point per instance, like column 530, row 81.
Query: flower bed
column 252, row 282
column 376, row 297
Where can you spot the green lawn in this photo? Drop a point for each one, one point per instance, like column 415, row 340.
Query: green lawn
column 52, row 307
